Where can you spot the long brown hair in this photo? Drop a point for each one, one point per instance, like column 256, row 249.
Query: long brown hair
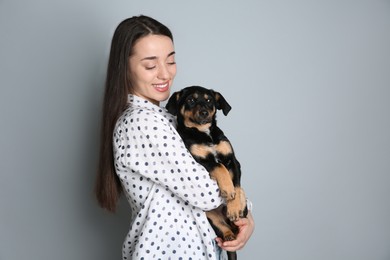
column 117, row 87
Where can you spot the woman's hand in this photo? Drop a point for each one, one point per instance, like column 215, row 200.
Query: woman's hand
column 246, row 227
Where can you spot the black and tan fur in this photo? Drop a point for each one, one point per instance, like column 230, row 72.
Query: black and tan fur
column 195, row 108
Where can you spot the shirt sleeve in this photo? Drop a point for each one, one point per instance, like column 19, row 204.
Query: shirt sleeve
column 148, row 144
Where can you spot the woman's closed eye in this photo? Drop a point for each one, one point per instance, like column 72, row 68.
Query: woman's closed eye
column 150, row 67
column 171, row 59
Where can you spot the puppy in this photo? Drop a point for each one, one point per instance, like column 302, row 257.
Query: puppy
column 195, row 109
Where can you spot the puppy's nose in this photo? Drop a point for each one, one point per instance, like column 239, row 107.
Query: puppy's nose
column 203, row 113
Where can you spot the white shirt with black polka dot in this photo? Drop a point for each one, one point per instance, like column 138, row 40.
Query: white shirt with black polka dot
column 167, row 189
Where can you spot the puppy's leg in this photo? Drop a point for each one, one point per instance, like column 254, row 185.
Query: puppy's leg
column 222, row 229
column 236, row 207
column 225, row 183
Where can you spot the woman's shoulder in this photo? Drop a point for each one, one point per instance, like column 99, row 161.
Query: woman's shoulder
column 140, row 117
column 137, row 113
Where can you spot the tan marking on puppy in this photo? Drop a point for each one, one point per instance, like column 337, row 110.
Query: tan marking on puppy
column 236, row 207
column 183, row 112
column 178, row 96
column 224, row 181
column 212, row 112
column 201, row 150
column 231, row 173
column 224, row 148
column 217, row 220
column 217, row 96
column 202, row 128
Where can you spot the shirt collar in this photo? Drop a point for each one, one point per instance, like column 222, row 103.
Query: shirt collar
column 138, row 102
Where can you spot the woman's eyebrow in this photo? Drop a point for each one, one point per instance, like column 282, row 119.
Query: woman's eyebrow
column 149, row 58
column 172, row 53
column 155, row 57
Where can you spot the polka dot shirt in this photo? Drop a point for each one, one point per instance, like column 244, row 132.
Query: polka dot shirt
column 167, row 189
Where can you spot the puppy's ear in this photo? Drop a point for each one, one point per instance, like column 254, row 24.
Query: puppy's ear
column 222, row 103
column 173, row 103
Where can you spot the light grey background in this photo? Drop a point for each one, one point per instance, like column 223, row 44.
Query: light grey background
column 309, row 83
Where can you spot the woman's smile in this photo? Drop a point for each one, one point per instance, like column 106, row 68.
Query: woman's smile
column 162, row 87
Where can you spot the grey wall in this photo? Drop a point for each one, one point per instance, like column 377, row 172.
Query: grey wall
column 309, row 83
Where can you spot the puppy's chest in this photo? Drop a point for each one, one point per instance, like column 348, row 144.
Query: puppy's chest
column 216, row 150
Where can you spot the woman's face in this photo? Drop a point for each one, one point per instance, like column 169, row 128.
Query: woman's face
column 152, row 67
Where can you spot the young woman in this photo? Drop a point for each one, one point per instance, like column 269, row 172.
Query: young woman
column 143, row 156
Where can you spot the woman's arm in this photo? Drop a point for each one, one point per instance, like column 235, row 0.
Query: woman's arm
column 151, row 147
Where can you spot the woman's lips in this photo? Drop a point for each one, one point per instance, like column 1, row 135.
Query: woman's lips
column 162, row 87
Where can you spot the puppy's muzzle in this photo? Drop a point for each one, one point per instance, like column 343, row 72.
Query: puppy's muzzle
column 203, row 113
column 203, row 116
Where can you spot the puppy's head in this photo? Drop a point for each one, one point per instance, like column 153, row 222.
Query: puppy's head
column 196, row 106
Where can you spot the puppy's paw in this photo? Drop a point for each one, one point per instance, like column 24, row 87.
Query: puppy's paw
column 233, row 213
column 229, row 236
column 228, row 192
column 228, row 195
column 237, row 208
column 243, row 210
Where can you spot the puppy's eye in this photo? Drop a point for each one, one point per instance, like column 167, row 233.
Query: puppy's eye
column 191, row 101
column 208, row 100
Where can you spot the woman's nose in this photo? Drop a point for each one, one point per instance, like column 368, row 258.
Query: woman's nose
column 163, row 72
